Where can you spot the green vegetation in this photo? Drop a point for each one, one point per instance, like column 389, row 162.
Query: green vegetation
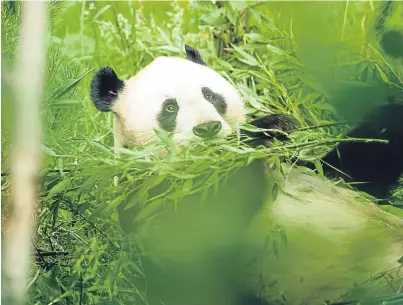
column 306, row 59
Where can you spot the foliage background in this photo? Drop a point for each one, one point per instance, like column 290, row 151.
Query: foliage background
column 319, row 61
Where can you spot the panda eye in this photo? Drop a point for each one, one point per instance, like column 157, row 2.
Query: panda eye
column 171, row 107
column 209, row 96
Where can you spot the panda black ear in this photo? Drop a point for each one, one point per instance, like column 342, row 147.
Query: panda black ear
column 193, row 55
column 105, row 88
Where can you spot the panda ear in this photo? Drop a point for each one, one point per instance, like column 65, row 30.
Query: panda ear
column 193, row 55
column 105, row 88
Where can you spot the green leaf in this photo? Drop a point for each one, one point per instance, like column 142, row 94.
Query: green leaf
column 382, row 74
column 256, row 37
column 187, row 185
column 319, row 168
column 141, row 195
column 274, row 49
column 48, row 151
column 164, row 136
column 102, row 147
column 58, row 188
column 64, row 103
column 83, row 207
column 100, row 209
column 256, row 14
column 101, row 11
column 61, row 91
column 238, row 5
column 247, row 59
column 392, row 210
column 274, row 191
column 149, row 209
column 115, row 202
column 231, row 14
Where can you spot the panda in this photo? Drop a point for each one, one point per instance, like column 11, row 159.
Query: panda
column 340, row 241
column 221, row 108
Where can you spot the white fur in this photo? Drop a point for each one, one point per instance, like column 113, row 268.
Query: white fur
column 336, row 239
column 173, row 77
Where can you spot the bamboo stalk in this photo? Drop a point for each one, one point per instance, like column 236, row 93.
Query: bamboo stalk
column 28, row 83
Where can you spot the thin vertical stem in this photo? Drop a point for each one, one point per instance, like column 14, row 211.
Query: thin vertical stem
column 344, row 21
column 28, row 90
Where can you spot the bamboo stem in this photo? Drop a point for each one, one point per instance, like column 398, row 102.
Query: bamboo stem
column 28, row 83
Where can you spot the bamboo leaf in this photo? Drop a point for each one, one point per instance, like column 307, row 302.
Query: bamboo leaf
column 60, row 92
column 382, row 74
column 58, row 188
column 101, row 11
column 64, row 103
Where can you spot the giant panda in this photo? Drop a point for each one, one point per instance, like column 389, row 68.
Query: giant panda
column 377, row 165
column 340, row 240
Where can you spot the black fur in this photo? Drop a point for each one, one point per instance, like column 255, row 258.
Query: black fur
column 378, row 164
column 193, row 55
column 283, row 122
column 105, row 88
column 216, row 99
column 392, row 43
column 167, row 119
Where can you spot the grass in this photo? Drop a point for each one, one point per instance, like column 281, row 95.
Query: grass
column 281, row 57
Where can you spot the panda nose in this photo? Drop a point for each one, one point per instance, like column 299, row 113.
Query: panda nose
column 208, row 129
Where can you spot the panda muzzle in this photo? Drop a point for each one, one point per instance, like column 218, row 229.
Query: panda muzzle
column 208, row 129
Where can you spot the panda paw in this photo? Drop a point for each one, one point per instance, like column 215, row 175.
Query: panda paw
column 281, row 124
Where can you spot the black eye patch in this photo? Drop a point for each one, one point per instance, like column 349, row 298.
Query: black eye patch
column 167, row 116
column 216, row 99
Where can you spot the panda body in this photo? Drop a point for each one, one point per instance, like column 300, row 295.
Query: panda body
column 338, row 239
column 335, row 241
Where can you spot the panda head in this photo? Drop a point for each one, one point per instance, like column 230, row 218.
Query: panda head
column 177, row 95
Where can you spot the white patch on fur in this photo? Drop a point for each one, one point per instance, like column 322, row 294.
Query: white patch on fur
column 335, row 240
column 172, row 77
column 307, row 201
